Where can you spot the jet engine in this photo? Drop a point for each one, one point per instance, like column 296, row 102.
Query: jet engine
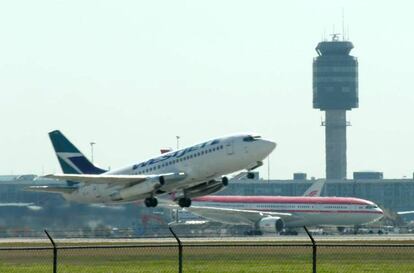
column 271, row 224
column 166, row 179
column 144, row 188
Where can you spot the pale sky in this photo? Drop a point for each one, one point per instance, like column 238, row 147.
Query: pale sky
column 132, row 75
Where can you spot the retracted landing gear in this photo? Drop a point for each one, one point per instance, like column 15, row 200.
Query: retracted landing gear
column 184, row 202
column 250, row 175
column 151, row 202
column 225, row 181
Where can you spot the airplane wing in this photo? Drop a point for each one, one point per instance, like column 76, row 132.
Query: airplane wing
column 99, row 178
column 15, row 204
column 114, row 178
column 55, row 189
column 236, row 216
column 30, row 206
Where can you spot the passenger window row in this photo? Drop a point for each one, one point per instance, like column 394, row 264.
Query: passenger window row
column 193, row 155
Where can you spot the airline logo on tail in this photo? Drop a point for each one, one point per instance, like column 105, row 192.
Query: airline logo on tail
column 71, row 160
column 313, row 193
column 74, row 162
column 315, row 189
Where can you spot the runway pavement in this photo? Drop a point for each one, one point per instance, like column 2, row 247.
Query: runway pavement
column 406, row 238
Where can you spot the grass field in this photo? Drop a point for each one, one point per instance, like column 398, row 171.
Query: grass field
column 241, row 258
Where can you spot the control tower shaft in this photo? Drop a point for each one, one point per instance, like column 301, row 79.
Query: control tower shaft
column 335, row 90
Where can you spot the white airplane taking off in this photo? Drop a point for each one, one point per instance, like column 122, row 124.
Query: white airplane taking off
column 187, row 173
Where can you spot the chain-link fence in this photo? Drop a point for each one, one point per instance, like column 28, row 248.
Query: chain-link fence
column 344, row 258
column 21, row 259
column 207, row 257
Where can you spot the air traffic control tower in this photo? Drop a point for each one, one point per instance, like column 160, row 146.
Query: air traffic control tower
column 335, row 90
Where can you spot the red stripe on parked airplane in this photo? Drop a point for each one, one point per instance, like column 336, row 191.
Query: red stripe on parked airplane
column 284, row 199
column 320, row 211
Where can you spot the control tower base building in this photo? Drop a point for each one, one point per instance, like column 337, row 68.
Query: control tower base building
column 335, row 90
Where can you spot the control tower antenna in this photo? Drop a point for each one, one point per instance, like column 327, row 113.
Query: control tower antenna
column 343, row 24
column 335, row 91
column 335, row 36
column 347, row 32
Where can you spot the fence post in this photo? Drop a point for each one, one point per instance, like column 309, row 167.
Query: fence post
column 180, row 250
column 54, row 251
column 313, row 250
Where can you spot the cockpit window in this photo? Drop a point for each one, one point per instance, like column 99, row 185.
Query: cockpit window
column 251, row 138
column 371, row 207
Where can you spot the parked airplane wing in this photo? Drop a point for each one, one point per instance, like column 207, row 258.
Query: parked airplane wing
column 236, row 216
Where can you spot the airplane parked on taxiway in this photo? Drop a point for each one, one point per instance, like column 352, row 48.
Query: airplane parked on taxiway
column 276, row 213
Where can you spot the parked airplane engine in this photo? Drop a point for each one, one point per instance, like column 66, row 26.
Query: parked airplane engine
column 271, row 224
column 137, row 190
column 204, row 189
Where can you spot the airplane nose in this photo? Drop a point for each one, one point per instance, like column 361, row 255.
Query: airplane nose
column 381, row 211
column 261, row 148
column 266, row 147
column 270, row 145
column 378, row 216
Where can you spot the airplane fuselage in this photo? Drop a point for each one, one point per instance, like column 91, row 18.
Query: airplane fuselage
column 198, row 163
column 306, row 211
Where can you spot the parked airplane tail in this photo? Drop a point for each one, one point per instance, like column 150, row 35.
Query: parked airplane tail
column 315, row 189
column 71, row 160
